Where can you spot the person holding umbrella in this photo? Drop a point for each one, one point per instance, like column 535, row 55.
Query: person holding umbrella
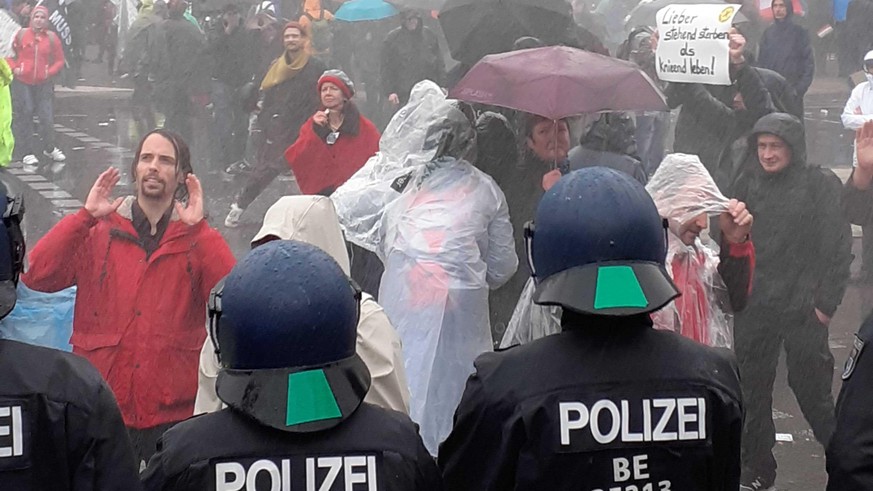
column 534, row 81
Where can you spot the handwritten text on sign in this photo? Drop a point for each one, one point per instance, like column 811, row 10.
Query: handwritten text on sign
column 693, row 43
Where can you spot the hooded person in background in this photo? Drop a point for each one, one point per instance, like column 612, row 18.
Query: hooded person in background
column 785, row 48
column 335, row 142
column 713, row 285
column 288, row 97
column 447, row 240
column 609, row 142
column 410, row 53
column 803, row 253
column 313, row 220
column 38, row 59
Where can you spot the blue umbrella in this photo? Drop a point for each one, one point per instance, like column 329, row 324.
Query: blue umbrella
column 363, row 10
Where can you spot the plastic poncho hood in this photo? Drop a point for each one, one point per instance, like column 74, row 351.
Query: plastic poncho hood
column 682, row 190
column 411, row 140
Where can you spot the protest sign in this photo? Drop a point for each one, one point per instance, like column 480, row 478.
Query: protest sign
column 693, row 43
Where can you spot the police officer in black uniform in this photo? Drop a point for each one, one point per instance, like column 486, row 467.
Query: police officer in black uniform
column 60, row 428
column 284, row 322
column 850, row 452
column 608, row 404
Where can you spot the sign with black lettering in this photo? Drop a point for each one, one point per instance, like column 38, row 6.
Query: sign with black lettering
column 693, row 43
column 358, row 472
column 15, row 434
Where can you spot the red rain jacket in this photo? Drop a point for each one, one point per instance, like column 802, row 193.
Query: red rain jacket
column 321, row 168
column 140, row 321
column 39, row 56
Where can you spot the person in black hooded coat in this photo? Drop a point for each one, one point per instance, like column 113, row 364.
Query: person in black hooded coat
column 803, row 252
column 410, row 54
column 785, row 49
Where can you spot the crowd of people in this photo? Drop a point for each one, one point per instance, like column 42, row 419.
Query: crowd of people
column 353, row 345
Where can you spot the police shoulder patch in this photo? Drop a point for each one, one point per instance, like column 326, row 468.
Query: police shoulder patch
column 852, row 361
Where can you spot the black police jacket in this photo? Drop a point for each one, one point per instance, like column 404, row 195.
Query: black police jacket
column 374, row 449
column 850, row 452
column 60, row 428
column 608, row 404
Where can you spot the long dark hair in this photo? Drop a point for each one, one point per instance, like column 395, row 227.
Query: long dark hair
column 183, row 158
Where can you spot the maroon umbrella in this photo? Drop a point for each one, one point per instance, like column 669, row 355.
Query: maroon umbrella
column 557, row 82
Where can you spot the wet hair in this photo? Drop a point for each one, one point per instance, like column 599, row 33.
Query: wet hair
column 532, row 120
column 183, row 158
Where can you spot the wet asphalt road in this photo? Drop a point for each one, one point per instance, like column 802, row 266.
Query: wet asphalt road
column 93, row 128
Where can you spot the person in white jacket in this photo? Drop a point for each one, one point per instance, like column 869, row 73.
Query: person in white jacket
column 313, row 219
column 859, row 110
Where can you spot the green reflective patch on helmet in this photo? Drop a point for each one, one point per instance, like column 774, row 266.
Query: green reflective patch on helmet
column 310, row 398
column 618, row 287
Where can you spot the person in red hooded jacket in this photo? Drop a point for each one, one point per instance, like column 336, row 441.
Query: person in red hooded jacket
column 38, row 59
column 335, row 142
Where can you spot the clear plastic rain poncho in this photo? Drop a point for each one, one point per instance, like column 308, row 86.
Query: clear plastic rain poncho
column 442, row 229
column 530, row 321
column 683, row 190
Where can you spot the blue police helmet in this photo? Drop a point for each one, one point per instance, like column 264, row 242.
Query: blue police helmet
column 285, row 320
column 598, row 246
column 287, row 304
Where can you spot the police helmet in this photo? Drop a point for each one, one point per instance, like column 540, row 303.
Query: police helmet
column 284, row 323
column 598, row 246
column 12, row 248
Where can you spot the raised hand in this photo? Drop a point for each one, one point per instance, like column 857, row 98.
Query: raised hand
column 863, row 174
column 736, row 223
column 99, row 202
column 736, row 45
column 193, row 213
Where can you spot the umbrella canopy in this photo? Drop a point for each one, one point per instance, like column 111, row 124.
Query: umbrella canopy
column 475, row 28
column 558, row 82
column 364, row 10
column 644, row 13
